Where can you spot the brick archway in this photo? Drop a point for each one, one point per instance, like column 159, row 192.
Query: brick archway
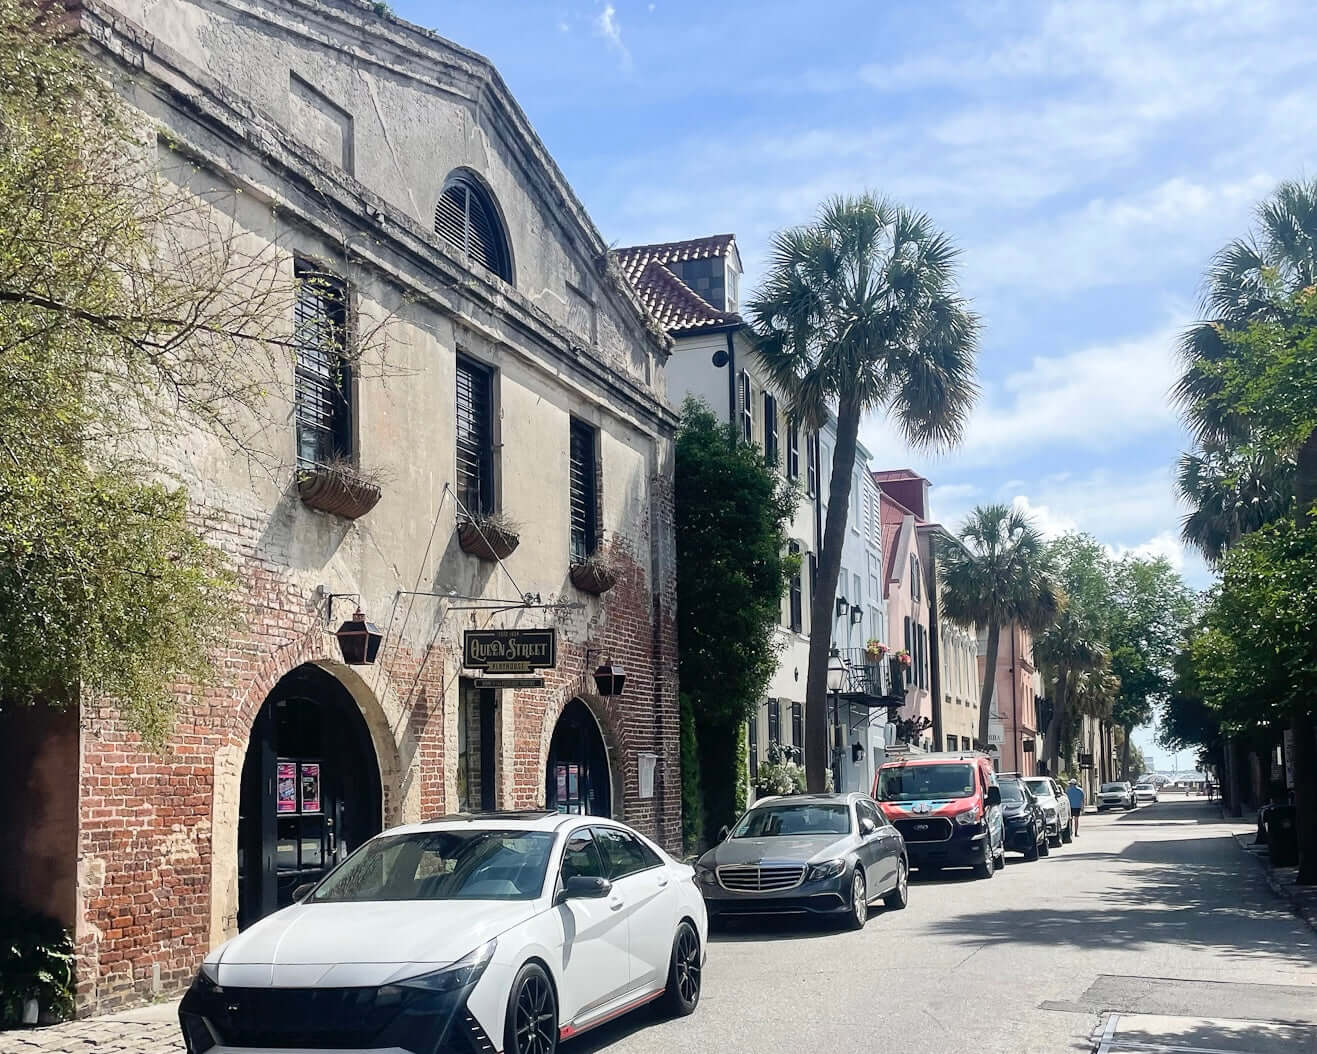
column 391, row 737
column 610, row 725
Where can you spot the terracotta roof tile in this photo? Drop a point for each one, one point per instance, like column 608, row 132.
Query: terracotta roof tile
column 677, row 307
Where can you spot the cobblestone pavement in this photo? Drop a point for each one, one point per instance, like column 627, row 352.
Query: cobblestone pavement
column 152, row 1030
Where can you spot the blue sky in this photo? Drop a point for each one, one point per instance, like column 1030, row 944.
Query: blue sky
column 1088, row 157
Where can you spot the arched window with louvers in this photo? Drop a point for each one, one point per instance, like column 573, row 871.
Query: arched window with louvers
column 468, row 220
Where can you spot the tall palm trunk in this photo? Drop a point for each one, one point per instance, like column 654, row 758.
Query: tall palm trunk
column 1052, row 741
column 1125, row 754
column 825, row 596
column 989, row 677
column 1305, row 730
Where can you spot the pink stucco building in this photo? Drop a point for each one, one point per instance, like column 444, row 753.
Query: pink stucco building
column 1015, row 701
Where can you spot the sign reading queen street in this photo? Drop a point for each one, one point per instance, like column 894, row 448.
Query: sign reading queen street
column 509, row 650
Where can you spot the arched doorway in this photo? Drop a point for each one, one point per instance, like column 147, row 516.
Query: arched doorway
column 310, row 790
column 576, row 776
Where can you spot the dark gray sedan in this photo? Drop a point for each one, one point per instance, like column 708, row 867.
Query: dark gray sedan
column 822, row 854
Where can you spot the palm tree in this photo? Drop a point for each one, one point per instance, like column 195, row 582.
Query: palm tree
column 1229, row 494
column 999, row 574
column 1065, row 649
column 1254, row 279
column 860, row 310
column 1094, row 696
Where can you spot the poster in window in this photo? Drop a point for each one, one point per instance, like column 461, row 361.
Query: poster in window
column 310, row 772
column 286, row 787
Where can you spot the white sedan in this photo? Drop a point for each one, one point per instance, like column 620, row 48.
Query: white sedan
column 497, row 932
column 1145, row 792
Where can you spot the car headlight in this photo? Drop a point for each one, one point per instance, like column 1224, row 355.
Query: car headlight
column 704, row 874
column 461, row 974
column 207, row 976
column 826, row 869
column 1050, row 811
column 971, row 815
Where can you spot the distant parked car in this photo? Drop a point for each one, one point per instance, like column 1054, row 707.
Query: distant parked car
column 826, row 854
column 1115, row 796
column 1026, row 823
column 1145, row 790
column 1056, row 807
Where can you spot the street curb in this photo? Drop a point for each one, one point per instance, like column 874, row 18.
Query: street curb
column 1283, row 892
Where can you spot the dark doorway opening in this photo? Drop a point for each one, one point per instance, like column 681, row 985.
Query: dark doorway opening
column 310, row 790
column 576, row 777
column 477, row 748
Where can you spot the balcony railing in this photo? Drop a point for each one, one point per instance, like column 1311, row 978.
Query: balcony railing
column 872, row 681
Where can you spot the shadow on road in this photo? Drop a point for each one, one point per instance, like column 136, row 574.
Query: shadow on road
column 1195, row 891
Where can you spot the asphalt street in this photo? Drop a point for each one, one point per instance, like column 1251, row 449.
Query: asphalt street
column 1153, row 932
column 1155, row 912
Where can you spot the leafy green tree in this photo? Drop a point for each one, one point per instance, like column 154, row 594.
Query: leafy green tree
column 1065, row 650
column 1151, row 614
column 732, row 513
column 999, row 574
column 860, row 310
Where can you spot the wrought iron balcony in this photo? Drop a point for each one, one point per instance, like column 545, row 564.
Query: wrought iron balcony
column 870, row 680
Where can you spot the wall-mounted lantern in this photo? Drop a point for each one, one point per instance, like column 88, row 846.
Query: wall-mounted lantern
column 610, row 679
column 857, row 616
column 359, row 640
column 857, row 752
column 842, row 607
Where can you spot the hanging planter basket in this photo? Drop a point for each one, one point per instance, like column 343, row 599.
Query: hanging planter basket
column 593, row 575
column 338, row 491
column 487, row 540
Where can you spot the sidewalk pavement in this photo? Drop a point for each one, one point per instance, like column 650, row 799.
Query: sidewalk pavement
column 144, row 1030
column 1282, row 880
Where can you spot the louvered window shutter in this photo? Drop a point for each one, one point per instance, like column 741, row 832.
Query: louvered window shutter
column 475, row 442
column 322, row 375
column 467, row 220
column 582, row 485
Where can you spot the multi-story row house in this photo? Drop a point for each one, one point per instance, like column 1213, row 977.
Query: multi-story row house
column 1013, row 726
column 692, row 287
column 399, row 187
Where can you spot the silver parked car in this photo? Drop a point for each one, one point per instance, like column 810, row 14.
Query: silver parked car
column 1115, row 796
column 1056, row 807
column 1145, row 790
column 822, row 854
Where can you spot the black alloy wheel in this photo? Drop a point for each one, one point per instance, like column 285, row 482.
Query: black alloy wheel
column 859, row 913
column 986, row 867
column 1045, row 846
column 1031, row 852
column 682, row 995
column 531, row 1026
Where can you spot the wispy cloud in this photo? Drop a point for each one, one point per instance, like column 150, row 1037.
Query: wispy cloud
column 607, row 26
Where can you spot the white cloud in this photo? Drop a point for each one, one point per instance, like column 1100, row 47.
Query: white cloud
column 607, row 26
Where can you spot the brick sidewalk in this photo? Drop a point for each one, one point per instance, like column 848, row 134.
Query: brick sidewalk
column 152, row 1030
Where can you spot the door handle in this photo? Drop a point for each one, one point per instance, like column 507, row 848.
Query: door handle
column 615, row 904
column 662, row 880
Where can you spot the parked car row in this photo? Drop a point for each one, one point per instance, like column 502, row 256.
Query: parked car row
column 513, row 931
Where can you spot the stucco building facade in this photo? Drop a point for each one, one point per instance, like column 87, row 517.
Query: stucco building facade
column 397, row 186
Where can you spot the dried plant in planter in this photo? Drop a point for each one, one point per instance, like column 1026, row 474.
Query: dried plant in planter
column 339, row 487
column 595, row 574
column 493, row 537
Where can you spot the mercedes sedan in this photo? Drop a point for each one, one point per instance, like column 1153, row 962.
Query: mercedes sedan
column 820, row 854
column 505, row 932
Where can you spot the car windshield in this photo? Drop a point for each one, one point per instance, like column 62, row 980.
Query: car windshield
column 466, row 864
column 780, row 821
column 1011, row 791
column 1114, row 788
column 1040, row 787
column 914, row 782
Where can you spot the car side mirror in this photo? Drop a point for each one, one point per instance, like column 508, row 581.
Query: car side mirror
column 867, row 826
column 723, row 832
column 301, row 891
column 584, row 887
column 993, row 796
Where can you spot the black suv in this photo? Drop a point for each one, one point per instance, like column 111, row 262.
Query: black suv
column 1026, row 823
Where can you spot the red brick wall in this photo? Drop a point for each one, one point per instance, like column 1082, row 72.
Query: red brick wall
column 145, row 845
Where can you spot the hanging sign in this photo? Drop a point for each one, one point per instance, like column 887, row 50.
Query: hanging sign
column 507, row 682
column 509, row 650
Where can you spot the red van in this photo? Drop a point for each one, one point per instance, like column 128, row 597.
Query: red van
column 947, row 807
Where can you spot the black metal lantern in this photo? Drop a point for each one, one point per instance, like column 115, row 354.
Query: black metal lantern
column 842, row 607
column 857, row 615
column 610, row 679
column 359, row 640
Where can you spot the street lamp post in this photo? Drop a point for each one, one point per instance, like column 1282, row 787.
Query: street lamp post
column 837, row 673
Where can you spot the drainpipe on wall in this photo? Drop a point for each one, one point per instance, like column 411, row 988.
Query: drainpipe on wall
column 731, row 377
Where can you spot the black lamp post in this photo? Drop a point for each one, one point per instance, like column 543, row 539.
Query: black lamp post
column 359, row 640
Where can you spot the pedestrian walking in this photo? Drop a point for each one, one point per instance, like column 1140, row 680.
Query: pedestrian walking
column 1075, row 794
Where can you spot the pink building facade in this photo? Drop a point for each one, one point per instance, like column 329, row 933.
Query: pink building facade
column 1015, row 702
column 907, row 589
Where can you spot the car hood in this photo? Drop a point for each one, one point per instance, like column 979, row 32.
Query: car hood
column 362, row 943
column 896, row 810
column 797, row 849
